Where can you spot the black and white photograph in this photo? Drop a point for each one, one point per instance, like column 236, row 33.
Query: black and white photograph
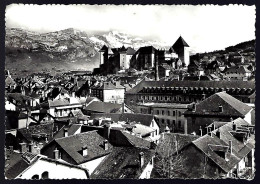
column 129, row 91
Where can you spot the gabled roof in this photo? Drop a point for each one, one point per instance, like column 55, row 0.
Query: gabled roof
column 123, row 162
column 231, row 106
column 71, row 130
column 20, row 162
column 72, row 145
column 180, row 42
column 239, row 149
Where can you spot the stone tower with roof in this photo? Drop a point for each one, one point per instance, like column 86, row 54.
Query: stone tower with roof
column 181, row 49
column 101, row 54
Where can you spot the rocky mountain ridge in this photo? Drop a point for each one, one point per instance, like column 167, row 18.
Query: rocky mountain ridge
column 65, row 49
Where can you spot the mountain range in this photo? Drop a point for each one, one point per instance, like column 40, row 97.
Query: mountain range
column 67, row 49
column 71, row 49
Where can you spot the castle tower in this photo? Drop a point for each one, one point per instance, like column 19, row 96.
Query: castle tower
column 101, row 54
column 181, row 49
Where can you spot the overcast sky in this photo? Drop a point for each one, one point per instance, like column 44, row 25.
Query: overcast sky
column 204, row 28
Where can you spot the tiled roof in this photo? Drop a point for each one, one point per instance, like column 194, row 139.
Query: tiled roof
column 231, row 106
column 16, row 165
column 213, row 84
column 92, row 140
column 144, row 119
column 123, row 162
column 41, row 130
column 239, row 151
column 136, row 141
column 104, row 107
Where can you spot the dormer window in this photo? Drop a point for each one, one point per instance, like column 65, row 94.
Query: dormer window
column 84, row 151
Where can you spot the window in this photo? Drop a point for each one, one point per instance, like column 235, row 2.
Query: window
column 162, row 121
column 169, row 113
column 157, row 112
column 45, row 175
column 35, row 177
column 173, row 122
column 162, row 112
column 173, row 113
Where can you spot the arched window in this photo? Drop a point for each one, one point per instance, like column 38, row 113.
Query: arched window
column 35, row 177
column 45, row 175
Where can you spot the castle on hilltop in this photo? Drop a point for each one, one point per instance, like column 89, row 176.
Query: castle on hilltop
column 114, row 60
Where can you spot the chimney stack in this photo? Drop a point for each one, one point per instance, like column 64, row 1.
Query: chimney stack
column 141, row 159
column 218, row 133
column 31, row 145
column 56, row 154
column 105, row 145
column 66, row 134
column 107, row 131
column 203, row 96
column 36, row 150
column 234, row 126
column 40, row 145
column 201, row 131
column 23, row 147
column 84, row 151
column 230, row 146
column 209, row 130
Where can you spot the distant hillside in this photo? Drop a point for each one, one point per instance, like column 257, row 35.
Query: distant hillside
column 246, row 48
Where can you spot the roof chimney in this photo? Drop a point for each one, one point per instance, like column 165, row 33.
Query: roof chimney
column 66, row 134
column 40, row 145
column 234, row 126
column 23, row 147
column 56, row 154
column 84, row 151
column 31, row 145
column 209, row 128
column 107, row 131
column 230, row 146
column 105, row 145
column 218, row 133
column 201, row 131
column 141, row 159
